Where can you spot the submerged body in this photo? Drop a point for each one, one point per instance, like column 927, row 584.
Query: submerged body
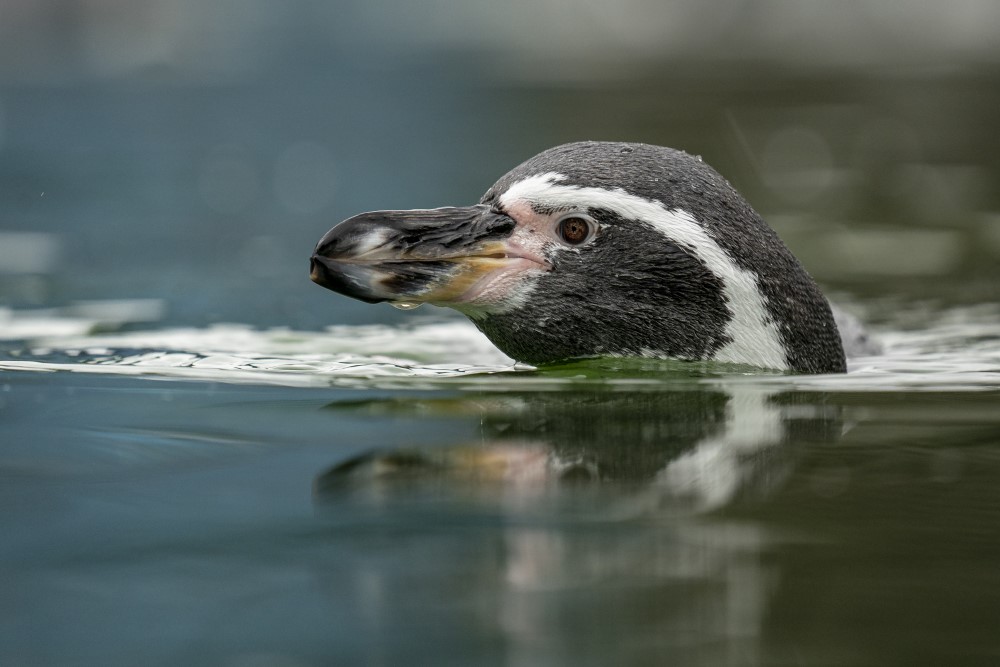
column 598, row 249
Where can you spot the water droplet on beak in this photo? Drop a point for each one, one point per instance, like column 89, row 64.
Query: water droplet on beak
column 405, row 305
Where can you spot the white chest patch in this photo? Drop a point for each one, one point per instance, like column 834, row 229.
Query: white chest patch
column 754, row 335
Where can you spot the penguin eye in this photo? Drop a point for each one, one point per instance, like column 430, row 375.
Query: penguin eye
column 574, row 229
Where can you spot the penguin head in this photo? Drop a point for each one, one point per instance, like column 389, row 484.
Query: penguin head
column 598, row 249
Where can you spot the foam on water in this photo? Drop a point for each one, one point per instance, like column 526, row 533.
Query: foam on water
column 235, row 353
column 956, row 349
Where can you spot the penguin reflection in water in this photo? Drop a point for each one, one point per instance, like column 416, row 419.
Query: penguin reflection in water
column 673, row 447
column 598, row 249
column 569, row 504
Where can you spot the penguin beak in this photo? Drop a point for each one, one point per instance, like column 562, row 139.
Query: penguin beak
column 445, row 256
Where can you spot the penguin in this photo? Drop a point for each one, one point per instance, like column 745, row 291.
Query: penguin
column 598, row 249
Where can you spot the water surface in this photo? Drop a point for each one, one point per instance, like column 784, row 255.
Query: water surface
column 231, row 495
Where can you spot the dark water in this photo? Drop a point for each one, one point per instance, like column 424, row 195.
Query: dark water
column 174, row 522
column 179, row 490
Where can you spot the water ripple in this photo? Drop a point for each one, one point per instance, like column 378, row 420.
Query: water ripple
column 955, row 349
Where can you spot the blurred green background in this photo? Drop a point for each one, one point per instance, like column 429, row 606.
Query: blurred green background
column 194, row 151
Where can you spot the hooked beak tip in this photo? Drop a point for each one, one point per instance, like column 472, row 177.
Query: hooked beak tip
column 315, row 270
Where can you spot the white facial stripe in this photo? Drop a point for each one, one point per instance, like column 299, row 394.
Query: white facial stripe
column 755, row 337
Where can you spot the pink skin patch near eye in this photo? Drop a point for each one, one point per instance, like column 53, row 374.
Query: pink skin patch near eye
column 526, row 253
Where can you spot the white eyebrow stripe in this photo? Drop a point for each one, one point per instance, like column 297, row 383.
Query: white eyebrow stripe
column 754, row 336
